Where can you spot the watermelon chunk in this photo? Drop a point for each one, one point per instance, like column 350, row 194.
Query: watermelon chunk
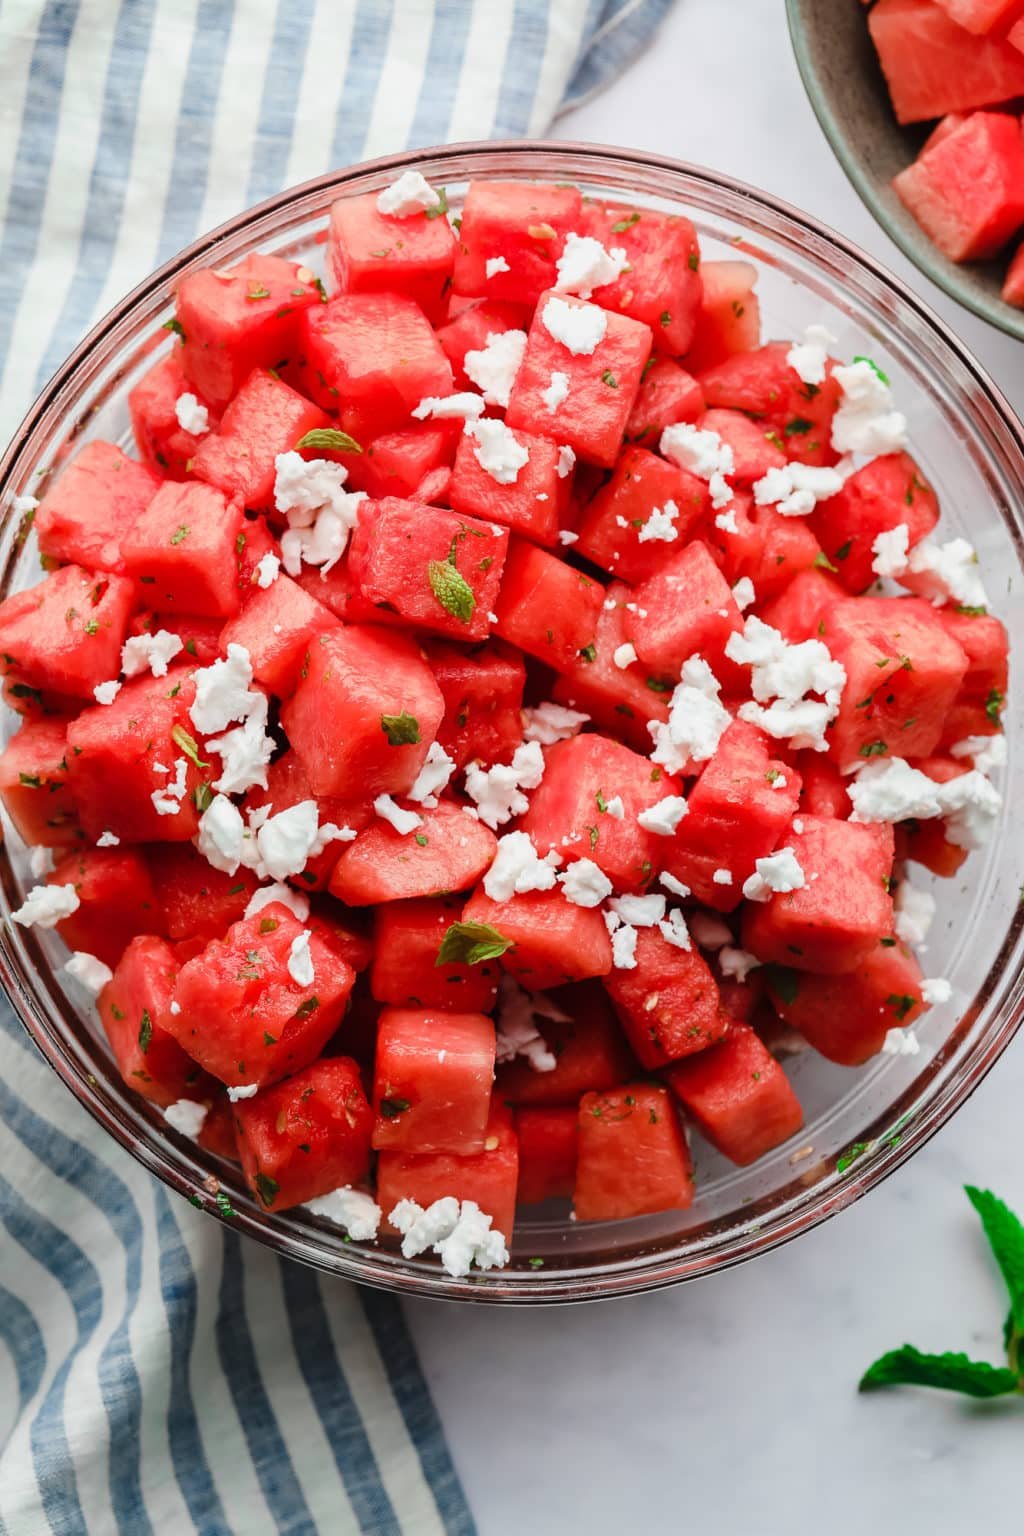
column 483, row 697
column 195, row 900
column 307, row 1136
column 621, row 700
column 545, row 607
column 614, row 532
column 661, row 286
column 488, row 1178
column 117, row 901
column 131, row 1008
column 669, row 1006
column 847, row 1018
column 1013, row 288
column 449, row 851
column 277, row 626
column 633, row 1157
column 34, row 785
column 548, row 1148
column 762, row 385
column 523, row 225
column 755, row 449
column 983, row 15
column 264, row 419
column 432, row 1081
column 470, row 329
column 667, row 394
column 161, row 439
column 739, row 1097
column 932, row 66
column 551, row 940
column 967, row 192
column 183, row 550
column 886, row 493
column 531, row 505
column 66, row 634
column 686, row 607
column 977, row 708
column 373, row 252
column 407, row 938
column 729, row 318
column 96, row 499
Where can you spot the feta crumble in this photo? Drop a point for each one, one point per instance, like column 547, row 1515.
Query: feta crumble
column 495, row 264
column 624, row 948
column 461, row 1236
column 663, row 818
column 548, row 723
column 890, row 550
column 987, row 753
column 108, row 840
column 41, row 862
column 106, row 693
column 433, row 777
column 615, row 808
column 946, row 573
column 403, row 821
column 580, row 328
column 221, row 835
column 493, row 367
column 47, row 905
column 894, row 791
column 245, row 1091
column 567, row 537
column 566, row 461
column 141, row 653
column 674, row 931
column 780, row 871
column 743, row 593
column 321, row 514
column 640, row 911
column 192, row 417
column 795, row 489
column 295, row 901
column 498, row 450
column 726, row 521
column 736, row 964
column 722, row 877
column 585, row 884
column 782, row 675
column 89, row 972
column 866, row 421
column 186, row 1117
column 517, row 868
column 699, row 450
column 409, row 195
column 697, row 720
column 915, row 912
column 167, row 801
column 350, row 1208
column 901, row 1042
column 557, row 391
column 460, row 407
column 676, row 887
column 661, row 525
column 497, row 792
column 809, row 358
column 624, row 655
column 585, row 264
column 268, row 569
column 300, row 961
column 936, row 990
column 518, row 1034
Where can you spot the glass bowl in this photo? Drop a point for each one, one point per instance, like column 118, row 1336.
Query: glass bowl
column 861, row 1124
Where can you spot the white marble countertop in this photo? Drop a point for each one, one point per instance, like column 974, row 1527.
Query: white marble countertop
column 730, row 1404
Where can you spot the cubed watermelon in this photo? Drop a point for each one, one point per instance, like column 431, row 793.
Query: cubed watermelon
column 531, row 504
column 847, row 1018
column 633, row 1157
column 755, row 449
column 762, row 385
column 550, row 940
column 432, row 1081
column 131, row 1008
column 373, row 252
column 661, row 285
column 621, row 700
column 983, row 15
column 669, row 1006
column 469, row 330
column 488, row 1178
column 739, row 1097
column 307, row 1136
column 524, row 225
column 977, row 708
column 195, row 900
column 888, row 492
column 729, row 318
column 586, row 1040
column 183, row 550
column 407, row 938
column 92, row 504
column 483, row 698
column 545, row 607
column 66, row 634
column 264, row 419
column 667, row 394
column 1013, row 288
column 161, row 439
column 933, row 66
column 448, row 851
column 967, row 191
column 614, row 532
column 34, row 785
column 117, row 901
column 548, row 1147
column 277, row 626
column 684, row 609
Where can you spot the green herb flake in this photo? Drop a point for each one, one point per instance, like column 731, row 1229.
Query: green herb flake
column 874, row 369
column 30, row 780
column 658, row 685
column 602, row 803
column 331, row 438
column 441, row 207
column 622, row 225
column 993, row 705
column 188, row 745
column 452, row 590
column 949, row 1372
column 784, row 982
column 269, row 924
column 422, row 840
column 259, row 292
column 844, row 550
column 609, row 378
column 823, row 563
column 593, row 835
column 471, row 944
column 535, row 1263
column 304, row 1010
column 391, row 1108
column 401, row 730
column 175, row 326
column 874, row 748
column 267, row 1189
column 851, row 1155
column 202, row 797
column 901, row 1003
column 145, row 1031
column 180, row 534
column 588, row 653
column 224, row 1204
column 693, row 261
column 798, row 426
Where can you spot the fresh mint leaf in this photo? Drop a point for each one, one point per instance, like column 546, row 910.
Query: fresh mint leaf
column 401, row 730
column 452, row 590
column 1005, row 1233
column 439, row 208
column 874, row 368
column 187, row 743
column 331, row 438
column 949, row 1372
column 471, row 944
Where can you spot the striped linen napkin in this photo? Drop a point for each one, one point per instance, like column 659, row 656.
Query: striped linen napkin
column 157, row 1374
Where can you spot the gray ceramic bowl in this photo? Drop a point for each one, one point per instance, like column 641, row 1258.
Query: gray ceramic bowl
column 840, row 70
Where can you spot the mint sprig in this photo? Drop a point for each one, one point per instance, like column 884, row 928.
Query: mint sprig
column 952, row 1372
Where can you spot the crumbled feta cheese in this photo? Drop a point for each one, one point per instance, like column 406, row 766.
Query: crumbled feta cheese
column 107, row 840
column 585, row 884
column 778, row 872
column 246, row 1091
column 47, row 905
column 614, row 807
column 321, row 513
column 41, row 862
column 330, row 832
column 21, row 506
column 497, row 792
column 737, row 964
column 785, row 674
column 223, row 695
column 722, row 877
column 641, row 911
column 141, row 653
column 743, row 593
column 866, row 421
column 495, row 264
column 661, row 525
column 809, row 358
column 676, row 887
column 461, row 407
column 167, row 801
column 245, row 751
column 186, row 1117
column 293, row 900
column 221, row 834
column 946, row 573
column 566, row 461
column 988, row 753
column 936, row 990
column 493, row 367
column 460, row 1236
column 403, row 821
column 795, row 489
column 585, row 265
column 350, row 1208
column 174, row 1006
column 89, row 972
column 433, row 777
column 710, row 932
column 890, row 549
column 567, row 537
column 915, row 911
column 192, row 417
column 624, row 655
column 517, row 868
column 300, row 961
column 580, row 328
column 894, row 791
column 674, row 931
column 548, row 723
column 268, row 569
column 106, row 693
column 409, row 195
column 727, row 521
column 557, row 391
column 518, row 1034
column 697, row 449
column 901, row 1042
column 222, row 692
column 696, row 720
column 498, row 450
column 624, row 948
column 664, row 816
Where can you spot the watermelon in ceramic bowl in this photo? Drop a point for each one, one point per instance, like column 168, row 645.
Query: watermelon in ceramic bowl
column 654, row 1206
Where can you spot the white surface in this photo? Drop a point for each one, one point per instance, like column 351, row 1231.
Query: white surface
column 730, row 1404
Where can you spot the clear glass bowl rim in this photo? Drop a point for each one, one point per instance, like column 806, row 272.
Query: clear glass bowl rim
column 387, row 1271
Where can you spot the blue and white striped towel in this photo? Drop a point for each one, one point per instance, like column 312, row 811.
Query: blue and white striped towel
column 157, row 1374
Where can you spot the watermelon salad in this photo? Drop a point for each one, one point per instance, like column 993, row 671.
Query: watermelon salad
column 496, row 705
column 960, row 64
